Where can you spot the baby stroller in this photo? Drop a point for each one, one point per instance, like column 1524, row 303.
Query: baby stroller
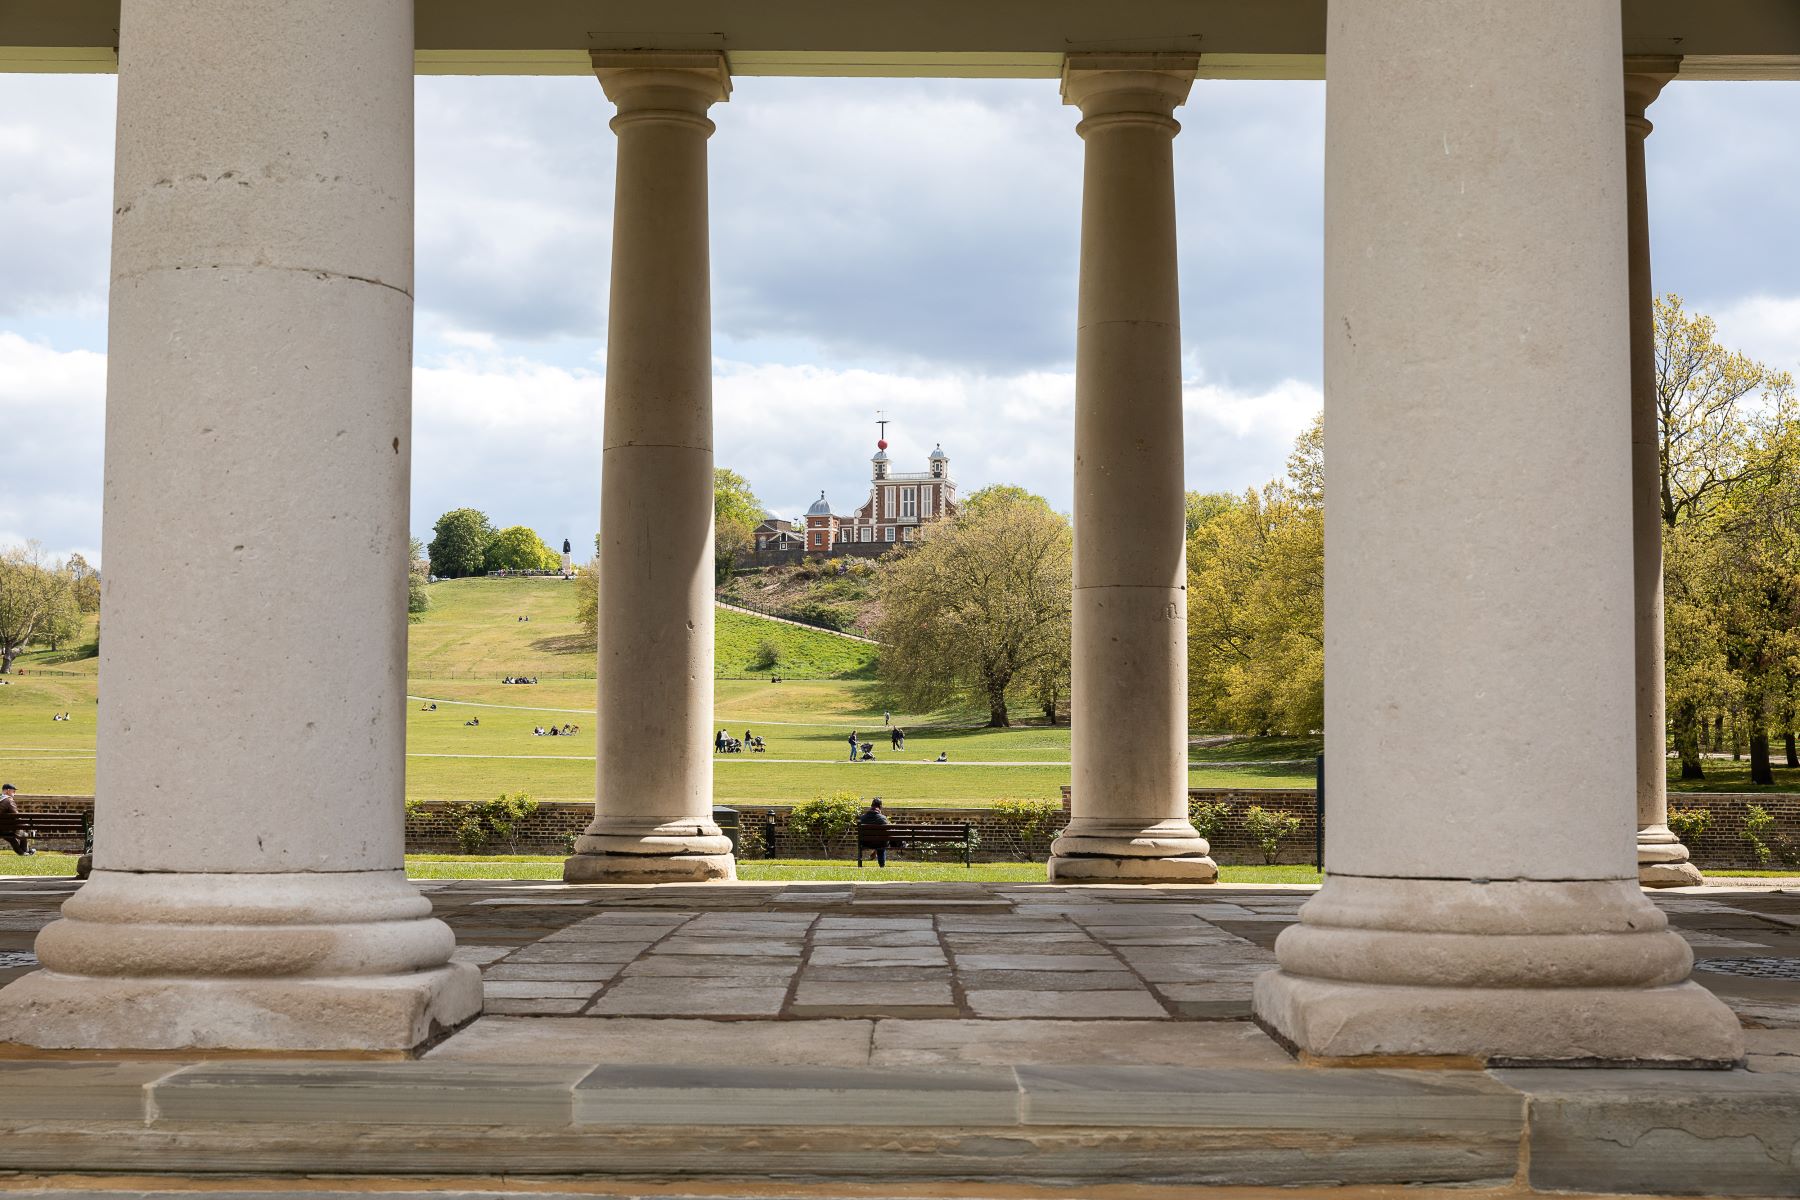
column 868, row 752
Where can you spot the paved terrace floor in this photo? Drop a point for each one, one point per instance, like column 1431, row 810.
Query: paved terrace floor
column 1104, row 1028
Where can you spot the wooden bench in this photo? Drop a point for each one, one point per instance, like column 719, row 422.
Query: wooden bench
column 876, row 837
column 75, row 826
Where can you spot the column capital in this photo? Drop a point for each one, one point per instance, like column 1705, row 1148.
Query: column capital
column 690, row 80
column 1645, row 77
column 1128, row 83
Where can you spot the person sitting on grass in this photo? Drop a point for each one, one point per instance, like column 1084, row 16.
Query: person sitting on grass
column 12, row 821
column 472, row 721
column 874, row 816
column 943, row 756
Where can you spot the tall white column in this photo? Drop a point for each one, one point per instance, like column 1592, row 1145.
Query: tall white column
column 1481, row 898
column 248, row 888
column 1662, row 859
column 1129, row 817
column 653, row 802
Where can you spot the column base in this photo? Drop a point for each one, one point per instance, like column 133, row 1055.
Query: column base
column 1337, row 1023
column 627, row 849
column 53, row 1011
column 1510, row 972
column 1663, row 860
column 1070, row 869
column 305, row 961
column 649, row 868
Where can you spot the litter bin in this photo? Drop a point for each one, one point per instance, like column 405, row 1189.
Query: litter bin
column 729, row 823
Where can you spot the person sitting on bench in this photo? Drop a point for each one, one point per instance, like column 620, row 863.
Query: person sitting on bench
column 874, row 816
column 12, row 822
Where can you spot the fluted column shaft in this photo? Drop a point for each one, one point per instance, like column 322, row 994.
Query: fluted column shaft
column 248, row 889
column 653, row 797
column 1129, row 696
column 1662, row 859
column 1480, row 901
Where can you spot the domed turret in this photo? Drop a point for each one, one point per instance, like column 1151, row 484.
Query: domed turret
column 820, row 508
column 881, row 461
column 940, row 462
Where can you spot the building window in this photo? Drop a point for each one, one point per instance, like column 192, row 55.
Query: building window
column 906, row 534
column 909, row 503
column 924, row 502
column 887, row 501
column 890, row 533
column 868, row 533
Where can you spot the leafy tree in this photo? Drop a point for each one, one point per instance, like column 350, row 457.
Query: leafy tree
column 31, row 594
column 827, row 817
column 587, row 600
column 1729, row 442
column 62, row 623
column 736, row 513
column 1202, row 507
column 418, row 572
column 87, row 583
column 519, row 548
column 1710, row 400
column 981, row 602
column 1256, row 605
column 459, row 543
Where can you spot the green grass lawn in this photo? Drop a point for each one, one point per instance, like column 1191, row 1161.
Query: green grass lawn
column 472, row 637
column 1725, row 775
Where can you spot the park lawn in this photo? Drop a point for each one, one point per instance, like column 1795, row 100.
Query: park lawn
column 1725, row 775
column 1259, row 749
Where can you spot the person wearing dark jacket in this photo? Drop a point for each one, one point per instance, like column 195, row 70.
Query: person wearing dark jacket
column 874, row 816
column 12, row 821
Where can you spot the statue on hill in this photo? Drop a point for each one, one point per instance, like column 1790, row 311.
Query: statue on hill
column 565, row 565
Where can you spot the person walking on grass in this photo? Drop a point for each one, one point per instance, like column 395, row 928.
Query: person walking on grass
column 12, row 821
column 895, row 741
column 874, row 816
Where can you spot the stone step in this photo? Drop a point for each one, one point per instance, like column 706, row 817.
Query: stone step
column 1648, row 1131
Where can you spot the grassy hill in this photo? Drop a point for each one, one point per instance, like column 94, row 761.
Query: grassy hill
column 473, row 630
column 800, row 653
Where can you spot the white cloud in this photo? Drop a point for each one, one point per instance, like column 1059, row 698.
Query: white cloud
column 52, row 414
column 1767, row 328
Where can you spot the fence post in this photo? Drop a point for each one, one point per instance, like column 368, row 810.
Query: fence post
column 1319, row 817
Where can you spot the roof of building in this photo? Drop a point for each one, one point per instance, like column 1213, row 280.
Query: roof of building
column 820, row 507
column 938, row 455
column 880, row 456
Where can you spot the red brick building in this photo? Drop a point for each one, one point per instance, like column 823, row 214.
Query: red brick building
column 899, row 504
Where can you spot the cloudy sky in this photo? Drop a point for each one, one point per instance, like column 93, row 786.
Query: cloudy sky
column 903, row 245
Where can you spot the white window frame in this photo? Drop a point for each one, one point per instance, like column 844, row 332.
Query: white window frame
column 890, row 533
column 924, row 503
column 887, row 501
column 909, row 502
column 868, row 533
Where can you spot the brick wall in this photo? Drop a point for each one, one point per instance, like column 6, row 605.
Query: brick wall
column 1233, row 847
column 547, row 831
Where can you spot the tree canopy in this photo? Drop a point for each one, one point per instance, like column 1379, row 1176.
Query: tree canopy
column 519, row 548
column 459, row 543
column 736, row 513
column 1256, row 601
column 1729, row 446
column 980, row 605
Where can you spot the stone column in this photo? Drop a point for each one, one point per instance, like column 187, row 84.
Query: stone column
column 1481, row 901
column 1662, row 859
column 653, row 804
column 248, row 889
column 1129, row 695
